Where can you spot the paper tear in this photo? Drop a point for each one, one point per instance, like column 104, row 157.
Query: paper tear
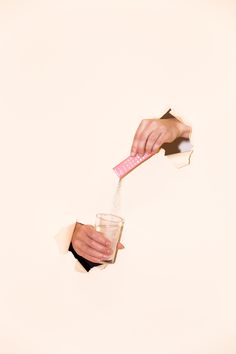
column 63, row 240
column 178, row 152
column 180, row 160
column 79, row 267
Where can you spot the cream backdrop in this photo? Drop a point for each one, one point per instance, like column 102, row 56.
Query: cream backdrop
column 76, row 78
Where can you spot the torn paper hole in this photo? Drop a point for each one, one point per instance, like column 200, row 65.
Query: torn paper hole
column 179, row 152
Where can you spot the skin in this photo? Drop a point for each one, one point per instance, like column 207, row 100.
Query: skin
column 90, row 244
column 153, row 133
column 149, row 137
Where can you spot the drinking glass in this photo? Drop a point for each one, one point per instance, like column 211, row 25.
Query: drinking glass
column 111, row 226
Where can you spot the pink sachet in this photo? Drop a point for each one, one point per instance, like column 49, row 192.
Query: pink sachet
column 126, row 166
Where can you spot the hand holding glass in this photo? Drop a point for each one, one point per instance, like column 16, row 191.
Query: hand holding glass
column 111, row 226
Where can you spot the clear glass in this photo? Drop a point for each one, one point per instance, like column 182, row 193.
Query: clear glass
column 111, row 226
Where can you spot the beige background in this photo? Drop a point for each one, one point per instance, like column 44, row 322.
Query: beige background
column 76, row 78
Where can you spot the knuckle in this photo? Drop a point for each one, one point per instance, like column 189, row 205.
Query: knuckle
column 169, row 137
column 80, row 253
column 93, row 244
column 89, row 243
column 95, row 255
column 151, row 139
column 84, row 248
column 156, row 145
column 99, row 237
column 164, row 129
column 142, row 137
column 78, row 236
column 89, row 230
column 86, row 256
column 149, row 146
column 93, row 235
column 145, row 120
column 137, row 137
column 155, row 123
column 76, row 244
column 84, row 227
column 165, row 139
column 75, row 237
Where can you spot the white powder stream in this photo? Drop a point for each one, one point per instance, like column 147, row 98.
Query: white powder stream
column 116, row 205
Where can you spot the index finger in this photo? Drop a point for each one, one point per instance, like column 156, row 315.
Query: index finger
column 98, row 237
column 136, row 138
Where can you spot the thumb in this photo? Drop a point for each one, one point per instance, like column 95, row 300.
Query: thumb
column 120, row 246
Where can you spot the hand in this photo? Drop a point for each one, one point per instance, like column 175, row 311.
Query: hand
column 153, row 133
column 91, row 244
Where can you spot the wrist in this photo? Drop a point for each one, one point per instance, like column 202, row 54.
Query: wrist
column 184, row 130
column 76, row 230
